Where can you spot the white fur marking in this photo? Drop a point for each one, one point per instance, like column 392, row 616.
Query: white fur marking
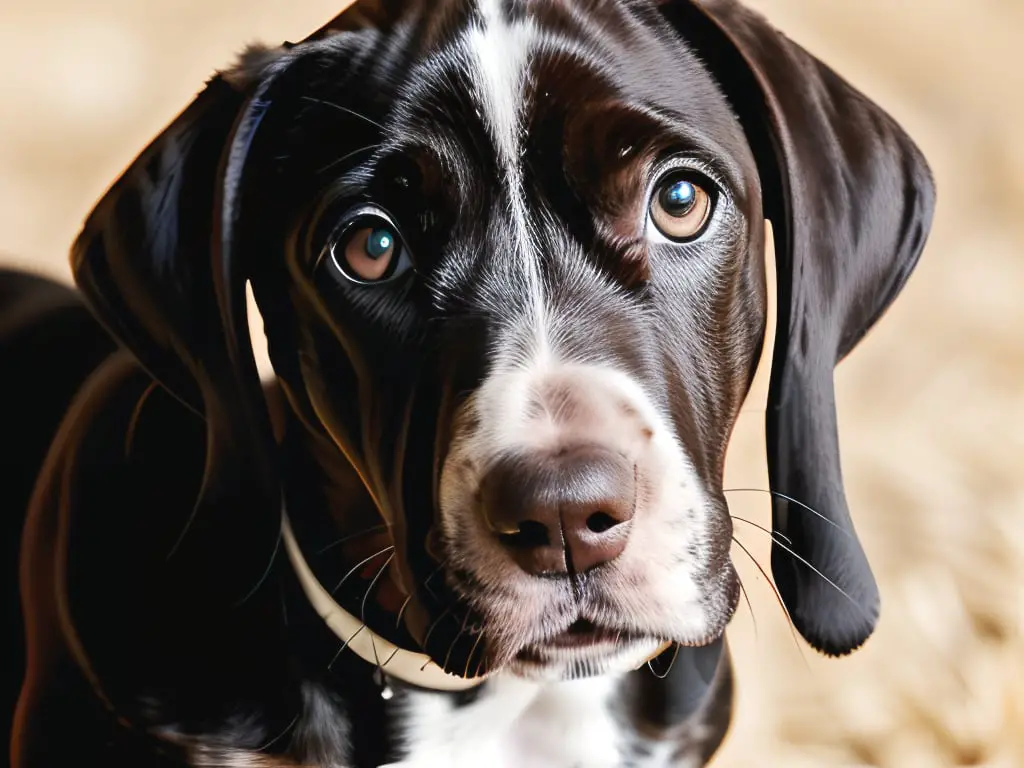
column 516, row 724
column 501, row 52
column 649, row 588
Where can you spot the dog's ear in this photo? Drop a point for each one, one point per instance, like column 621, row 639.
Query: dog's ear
column 851, row 199
column 156, row 264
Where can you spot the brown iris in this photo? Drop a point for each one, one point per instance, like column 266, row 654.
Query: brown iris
column 369, row 253
column 680, row 208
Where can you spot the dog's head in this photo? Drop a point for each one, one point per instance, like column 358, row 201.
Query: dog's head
column 509, row 258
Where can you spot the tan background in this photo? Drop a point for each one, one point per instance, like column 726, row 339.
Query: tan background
column 931, row 407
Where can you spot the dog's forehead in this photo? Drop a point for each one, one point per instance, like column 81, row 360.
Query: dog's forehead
column 508, row 62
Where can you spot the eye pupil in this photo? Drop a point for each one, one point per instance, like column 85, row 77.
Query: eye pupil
column 679, row 198
column 379, row 243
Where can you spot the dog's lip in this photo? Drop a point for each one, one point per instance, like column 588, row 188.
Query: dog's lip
column 581, row 634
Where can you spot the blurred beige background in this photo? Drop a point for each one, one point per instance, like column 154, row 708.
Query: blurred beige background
column 931, row 406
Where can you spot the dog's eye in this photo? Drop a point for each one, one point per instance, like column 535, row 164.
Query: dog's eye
column 369, row 252
column 368, row 249
column 680, row 208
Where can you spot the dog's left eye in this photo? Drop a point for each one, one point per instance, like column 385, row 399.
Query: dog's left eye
column 368, row 249
column 680, row 207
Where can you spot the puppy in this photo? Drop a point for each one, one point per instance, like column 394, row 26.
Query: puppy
column 509, row 257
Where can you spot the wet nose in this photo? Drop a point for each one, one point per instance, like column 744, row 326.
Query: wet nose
column 560, row 514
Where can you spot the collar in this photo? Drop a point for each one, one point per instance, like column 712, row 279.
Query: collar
column 414, row 668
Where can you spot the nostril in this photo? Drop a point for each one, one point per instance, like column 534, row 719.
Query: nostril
column 531, row 534
column 599, row 522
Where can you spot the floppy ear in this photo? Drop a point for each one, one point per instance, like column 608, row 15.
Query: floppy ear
column 156, row 264
column 851, row 199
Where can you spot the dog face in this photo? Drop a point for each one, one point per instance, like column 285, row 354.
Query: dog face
column 537, row 272
column 509, row 260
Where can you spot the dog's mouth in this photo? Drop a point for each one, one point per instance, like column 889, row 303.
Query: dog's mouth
column 582, row 635
column 585, row 649
column 451, row 633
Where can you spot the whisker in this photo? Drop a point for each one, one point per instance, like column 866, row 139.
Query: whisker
column 389, row 658
column 356, row 535
column 778, row 597
column 760, row 527
column 451, row 647
column 268, row 744
column 346, row 156
column 787, row 547
column 650, row 663
column 346, row 110
column 480, row 665
column 430, row 630
column 359, row 565
column 433, row 573
column 405, row 603
column 792, row 500
column 826, row 579
column 184, row 531
column 362, row 606
column 472, row 651
column 373, row 645
column 373, row 583
column 266, row 573
column 750, row 607
column 345, row 645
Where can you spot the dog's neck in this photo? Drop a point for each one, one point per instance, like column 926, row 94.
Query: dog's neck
column 333, row 487
column 344, row 526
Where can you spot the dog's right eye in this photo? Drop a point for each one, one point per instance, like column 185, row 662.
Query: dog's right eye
column 368, row 249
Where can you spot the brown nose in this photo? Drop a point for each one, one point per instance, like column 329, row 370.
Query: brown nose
column 561, row 514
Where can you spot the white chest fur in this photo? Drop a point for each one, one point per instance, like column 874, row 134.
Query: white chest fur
column 515, row 724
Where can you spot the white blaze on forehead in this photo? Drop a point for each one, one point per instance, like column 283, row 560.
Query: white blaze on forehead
column 500, row 52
